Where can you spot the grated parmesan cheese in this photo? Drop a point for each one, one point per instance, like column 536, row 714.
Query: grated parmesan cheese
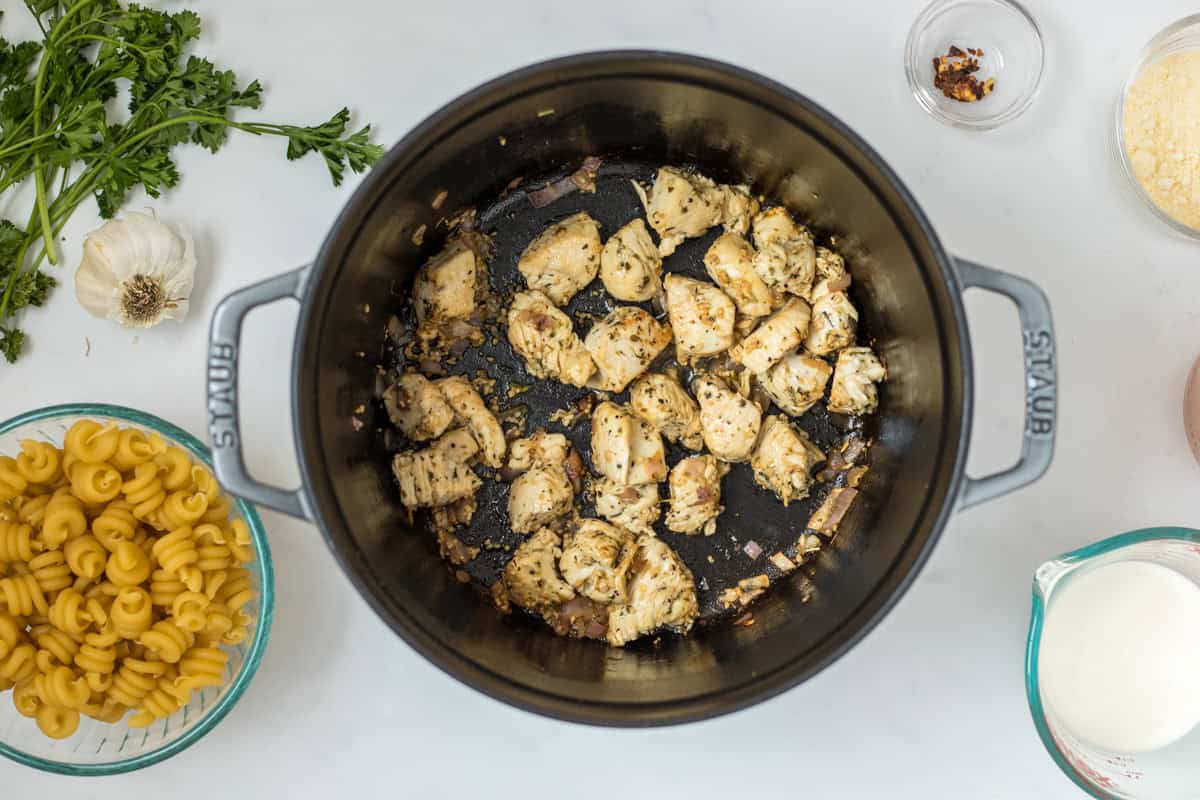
column 1162, row 134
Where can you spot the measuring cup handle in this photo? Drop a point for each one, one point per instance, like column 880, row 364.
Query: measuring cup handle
column 1041, row 386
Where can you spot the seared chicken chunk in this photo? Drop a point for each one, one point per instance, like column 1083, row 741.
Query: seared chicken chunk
column 701, row 317
column 540, row 449
column 796, row 383
column 696, row 495
column 831, row 274
column 445, row 286
column 596, row 558
column 470, row 409
column 532, row 577
column 854, row 379
column 786, row 257
column 632, row 507
column 457, row 445
column 417, row 407
column 428, row 479
column 664, row 405
column 662, row 594
column 447, row 518
column 538, row 497
column 728, row 421
column 730, row 262
column 778, row 334
column 682, row 205
column 630, row 265
column 834, row 321
column 625, row 449
column 622, row 345
column 544, row 337
column 784, row 459
column 563, row 259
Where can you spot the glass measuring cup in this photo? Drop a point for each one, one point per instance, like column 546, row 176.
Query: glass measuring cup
column 1170, row 773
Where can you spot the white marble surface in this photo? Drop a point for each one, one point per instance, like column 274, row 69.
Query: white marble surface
column 932, row 703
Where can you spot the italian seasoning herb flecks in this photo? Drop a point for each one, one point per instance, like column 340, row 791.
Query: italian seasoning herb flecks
column 954, row 75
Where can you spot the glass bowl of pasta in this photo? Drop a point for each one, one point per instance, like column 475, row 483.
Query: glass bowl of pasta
column 135, row 596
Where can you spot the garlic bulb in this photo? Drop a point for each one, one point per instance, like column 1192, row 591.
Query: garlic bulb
column 136, row 271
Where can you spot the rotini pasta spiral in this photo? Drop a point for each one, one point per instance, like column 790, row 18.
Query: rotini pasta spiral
column 119, row 578
column 64, row 519
column 144, row 491
column 92, row 442
column 94, row 484
column 134, row 680
column 12, row 483
column 57, row 723
column 176, row 466
column 63, row 688
column 85, row 556
column 131, row 613
column 69, row 612
column 38, row 462
column 51, row 571
column 167, row 640
column 17, row 542
column 133, row 448
column 22, row 596
column 127, row 565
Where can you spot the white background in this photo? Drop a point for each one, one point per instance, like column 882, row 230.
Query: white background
column 932, row 703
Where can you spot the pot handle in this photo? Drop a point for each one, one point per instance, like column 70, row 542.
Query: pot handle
column 1041, row 387
column 224, row 336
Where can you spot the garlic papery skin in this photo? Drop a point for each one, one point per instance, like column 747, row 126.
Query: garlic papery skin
column 136, row 271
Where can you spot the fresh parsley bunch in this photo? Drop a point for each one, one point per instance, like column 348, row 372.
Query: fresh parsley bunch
column 55, row 132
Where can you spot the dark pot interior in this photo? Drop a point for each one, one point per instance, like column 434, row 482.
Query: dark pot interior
column 662, row 109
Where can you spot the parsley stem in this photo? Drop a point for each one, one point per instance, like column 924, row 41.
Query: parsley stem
column 39, row 185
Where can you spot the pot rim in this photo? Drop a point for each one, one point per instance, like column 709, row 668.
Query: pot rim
column 323, row 503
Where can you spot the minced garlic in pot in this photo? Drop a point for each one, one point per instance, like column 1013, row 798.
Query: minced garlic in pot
column 1162, row 134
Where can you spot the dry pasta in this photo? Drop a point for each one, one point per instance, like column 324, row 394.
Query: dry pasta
column 121, row 578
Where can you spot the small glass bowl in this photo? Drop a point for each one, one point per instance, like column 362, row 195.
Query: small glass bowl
column 99, row 748
column 1175, row 38
column 1013, row 54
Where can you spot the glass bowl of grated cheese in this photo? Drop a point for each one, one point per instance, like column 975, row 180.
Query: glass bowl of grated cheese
column 1158, row 126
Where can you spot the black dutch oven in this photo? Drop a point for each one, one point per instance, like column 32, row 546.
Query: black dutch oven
column 667, row 109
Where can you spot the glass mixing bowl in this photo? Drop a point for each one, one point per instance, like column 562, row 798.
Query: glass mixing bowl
column 105, row 749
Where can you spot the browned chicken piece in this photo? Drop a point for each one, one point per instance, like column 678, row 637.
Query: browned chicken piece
column 701, row 315
column 532, row 577
column 625, row 449
column 457, row 445
column 778, row 335
column 683, row 205
column 630, row 265
column 831, row 275
column 538, row 449
column 445, row 286
column 563, row 259
column 662, row 594
column 596, row 559
column 427, row 479
column 538, row 497
column 786, row 256
column 696, row 495
column 834, row 322
column 543, row 336
column 660, row 402
column 470, row 410
column 784, row 459
column 622, row 345
column 730, row 262
column 447, row 518
column 854, row 378
column 417, row 408
column 728, row 421
column 634, row 508
column 796, row 383
column 453, row 549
